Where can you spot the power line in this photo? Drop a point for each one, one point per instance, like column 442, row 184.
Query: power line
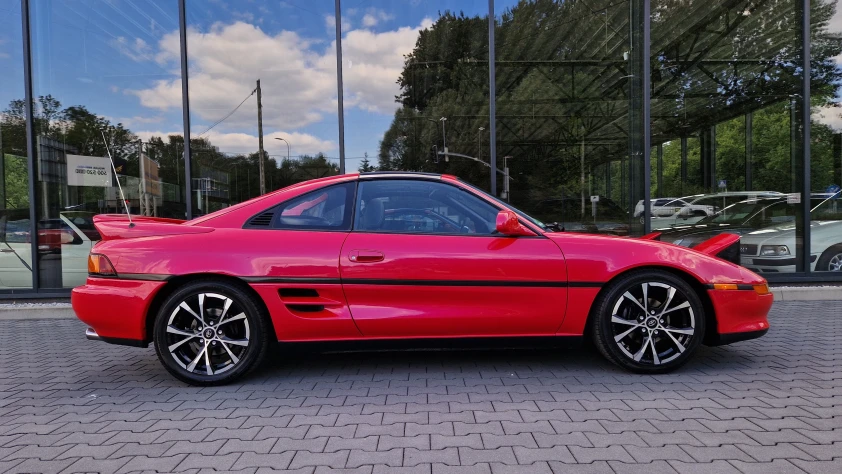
column 229, row 114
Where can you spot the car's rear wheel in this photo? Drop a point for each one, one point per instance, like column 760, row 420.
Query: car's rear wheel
column 649, row 322
column 830, row 260
column 210, row 332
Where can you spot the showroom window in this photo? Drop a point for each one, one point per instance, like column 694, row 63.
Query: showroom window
column 15, row 218
column 726, row 113
column 289, row 47
column 104, row 84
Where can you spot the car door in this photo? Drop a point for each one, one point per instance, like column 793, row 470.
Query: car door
column 446, row 274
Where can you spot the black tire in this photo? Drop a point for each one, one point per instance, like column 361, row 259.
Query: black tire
column 833, row 256
column 662, row 340
column 237, row 346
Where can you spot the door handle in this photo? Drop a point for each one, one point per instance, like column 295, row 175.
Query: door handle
column 365, row 256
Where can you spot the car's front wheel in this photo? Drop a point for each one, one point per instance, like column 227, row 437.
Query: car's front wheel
column 648, row 321
column 830, row 260
column 210, row 332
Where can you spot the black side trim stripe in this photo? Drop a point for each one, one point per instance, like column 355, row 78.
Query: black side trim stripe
column 136, row 276
column 739, row 287
column 293, row 280
column 384, row 282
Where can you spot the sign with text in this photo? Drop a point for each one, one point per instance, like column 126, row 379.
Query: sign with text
column 149, row 175
column 88, row 171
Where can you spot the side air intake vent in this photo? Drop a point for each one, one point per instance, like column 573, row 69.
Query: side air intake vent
column 263, row 219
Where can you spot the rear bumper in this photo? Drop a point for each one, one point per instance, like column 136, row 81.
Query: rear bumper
column 115, row 309
column 740, row 315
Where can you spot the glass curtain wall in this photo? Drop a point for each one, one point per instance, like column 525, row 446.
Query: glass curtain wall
column 727, row 111
column 826, row 136
column 569, row 111
column 15, row 233
column 290, row 48
column 103, row 82
column 415, row 84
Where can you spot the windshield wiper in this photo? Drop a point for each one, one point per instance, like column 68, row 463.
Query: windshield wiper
column 554, row 226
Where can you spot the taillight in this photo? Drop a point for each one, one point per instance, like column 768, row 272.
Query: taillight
column 99, row 265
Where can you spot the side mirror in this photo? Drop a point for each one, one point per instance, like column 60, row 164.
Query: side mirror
column 508, row 224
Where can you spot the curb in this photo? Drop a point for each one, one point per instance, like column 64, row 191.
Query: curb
column 801, row 293
column 36, row 311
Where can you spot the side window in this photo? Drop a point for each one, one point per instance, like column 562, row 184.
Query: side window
column 324, row 209
column 421, row 207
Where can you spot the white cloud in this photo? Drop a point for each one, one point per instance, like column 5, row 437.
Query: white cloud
column 375, row 16
column 137, row 50
column 300, row 143
column 330, row 24
column 830, row 116
column 372, row 64
column 298, row 74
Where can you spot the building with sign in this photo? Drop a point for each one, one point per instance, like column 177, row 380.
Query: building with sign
column 687, row 117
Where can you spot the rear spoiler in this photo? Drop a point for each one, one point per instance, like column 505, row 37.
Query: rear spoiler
column 117, row 226
column 724, row 246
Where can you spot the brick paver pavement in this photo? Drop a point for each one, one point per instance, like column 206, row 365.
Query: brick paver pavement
column 770, row 405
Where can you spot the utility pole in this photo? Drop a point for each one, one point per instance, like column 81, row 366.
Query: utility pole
column 443, row 135
column 260, row 140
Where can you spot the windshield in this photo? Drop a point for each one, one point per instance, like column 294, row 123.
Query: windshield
column 829, row 209
column 739, row 212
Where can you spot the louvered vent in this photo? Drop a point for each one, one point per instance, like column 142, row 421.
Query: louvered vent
column 263, row 219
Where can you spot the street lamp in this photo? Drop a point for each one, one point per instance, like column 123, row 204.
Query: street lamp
column 283, row 140
column 479, row 142
column 443, row 120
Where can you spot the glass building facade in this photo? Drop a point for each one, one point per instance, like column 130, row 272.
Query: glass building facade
column 624, row 117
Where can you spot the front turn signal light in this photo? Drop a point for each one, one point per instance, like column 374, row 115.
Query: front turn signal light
column 725, row 286
column 99, row 265
column 761, row 289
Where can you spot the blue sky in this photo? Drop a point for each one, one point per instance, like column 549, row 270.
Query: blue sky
column 120, row 59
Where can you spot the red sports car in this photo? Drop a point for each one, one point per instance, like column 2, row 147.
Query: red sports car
column 390, row 256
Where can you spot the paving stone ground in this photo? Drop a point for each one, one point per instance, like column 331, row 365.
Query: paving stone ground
column 769, row 405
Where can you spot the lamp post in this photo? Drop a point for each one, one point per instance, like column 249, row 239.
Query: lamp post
column 443, row 120
column 479, row 142
column 284, row 140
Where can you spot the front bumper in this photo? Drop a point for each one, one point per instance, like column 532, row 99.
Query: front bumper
column 115, row 309
column 740, row 315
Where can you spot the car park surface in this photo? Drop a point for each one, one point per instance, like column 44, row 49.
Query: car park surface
column 768, row 405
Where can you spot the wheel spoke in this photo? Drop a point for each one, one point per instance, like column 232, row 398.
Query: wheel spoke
column 631, row 297
column 228, row 303
column 679, row 345
column 207, row 361
column 619, row 320
column 642, row 350
column 234, row 358
column 655, row 358
column 620, row 337
column 670, row 296
column 645, row 288
column 179, row 343
column 187, row 308
column 233, row 318
column 236, row 342
column 686, row 304
column 198, row 358
column 689, row 331
column 174, row 330
column 202, row 306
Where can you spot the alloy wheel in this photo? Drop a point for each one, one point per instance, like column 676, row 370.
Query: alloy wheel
column 835, row 263
column 653, row 323
column 208, row 334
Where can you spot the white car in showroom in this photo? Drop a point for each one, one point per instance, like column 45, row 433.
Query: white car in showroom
column 772, row 249
column 64, row 242
column 702, row 205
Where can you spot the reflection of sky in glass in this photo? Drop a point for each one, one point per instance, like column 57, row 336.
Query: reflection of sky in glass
column 121, row 61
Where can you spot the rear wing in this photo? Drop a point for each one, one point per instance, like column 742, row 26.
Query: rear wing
column 118, row 226
column 724, row 246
